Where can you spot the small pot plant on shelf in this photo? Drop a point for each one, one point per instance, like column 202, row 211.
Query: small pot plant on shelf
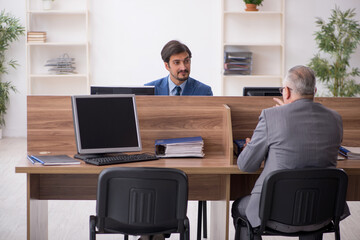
column 251, row 5
column 10, row 31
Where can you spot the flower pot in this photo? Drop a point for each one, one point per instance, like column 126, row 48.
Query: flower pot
column 251, row 7
column 47, row 4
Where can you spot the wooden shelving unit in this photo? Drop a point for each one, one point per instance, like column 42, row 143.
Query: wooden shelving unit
column 67, row 32
column 261, row 33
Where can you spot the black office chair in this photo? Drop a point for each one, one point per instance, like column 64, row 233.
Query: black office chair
column 141, row 201
column 300, row 202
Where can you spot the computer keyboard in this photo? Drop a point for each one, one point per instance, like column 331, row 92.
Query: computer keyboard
column 116, row 159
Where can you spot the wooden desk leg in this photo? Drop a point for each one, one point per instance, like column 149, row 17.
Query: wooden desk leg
column 37, row 210
column 219, row 212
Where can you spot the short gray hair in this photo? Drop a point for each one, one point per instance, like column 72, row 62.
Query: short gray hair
column 301, row 79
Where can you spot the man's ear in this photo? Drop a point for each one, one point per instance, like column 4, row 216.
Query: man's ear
column 167, row 66
column 288, row 93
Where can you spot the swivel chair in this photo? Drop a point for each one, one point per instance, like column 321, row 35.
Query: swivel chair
column 300, row 202
column 141, row 201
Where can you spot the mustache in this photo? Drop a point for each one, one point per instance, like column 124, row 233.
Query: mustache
column 183, row 71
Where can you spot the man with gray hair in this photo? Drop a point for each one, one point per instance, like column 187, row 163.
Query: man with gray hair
column 298, row 133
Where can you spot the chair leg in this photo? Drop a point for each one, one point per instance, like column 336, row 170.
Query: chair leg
column 200, row 203
column 187, row 230
column 337, row 234
column 92, row 223
column 237, row 232
column 204, row 219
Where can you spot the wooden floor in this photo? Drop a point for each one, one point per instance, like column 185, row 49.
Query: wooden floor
column 69, row 219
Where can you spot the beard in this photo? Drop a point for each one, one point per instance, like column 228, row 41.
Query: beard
column 182, row 75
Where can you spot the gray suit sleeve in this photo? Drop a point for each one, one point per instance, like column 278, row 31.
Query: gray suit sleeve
column 255, row 152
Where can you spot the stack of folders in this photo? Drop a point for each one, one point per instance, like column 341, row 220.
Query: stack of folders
column 52, row 160
column 350, row 152
column 237, row 62
column 61, row 65
column 180, row 147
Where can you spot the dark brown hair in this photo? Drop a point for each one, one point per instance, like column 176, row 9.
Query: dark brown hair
column 173, row 47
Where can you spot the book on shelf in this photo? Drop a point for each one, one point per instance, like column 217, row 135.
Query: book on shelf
column 36, row 34
column 50, row 160
column 180, row 147
column 36, row 40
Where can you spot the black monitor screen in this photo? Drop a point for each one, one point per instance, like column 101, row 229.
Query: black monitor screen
column 106, row 124
column 261, row 91
column 141, row 90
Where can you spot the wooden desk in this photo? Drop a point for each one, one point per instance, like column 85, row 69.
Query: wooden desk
column 50, row 129
column 214, row 177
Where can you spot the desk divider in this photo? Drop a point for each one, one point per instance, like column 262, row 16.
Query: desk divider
column 50, row 126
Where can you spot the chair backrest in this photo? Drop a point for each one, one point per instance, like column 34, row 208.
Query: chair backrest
column 137, row 201
column 302, row 199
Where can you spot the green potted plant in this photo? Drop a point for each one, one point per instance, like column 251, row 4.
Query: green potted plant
column 251, row 5
column 10, row 31
column 336, row 41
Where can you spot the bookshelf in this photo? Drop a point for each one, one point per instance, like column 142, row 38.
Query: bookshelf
column 66, row 26
column 262, row 34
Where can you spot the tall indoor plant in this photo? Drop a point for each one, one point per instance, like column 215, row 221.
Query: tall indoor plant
column 10, row 31
column 336, row 41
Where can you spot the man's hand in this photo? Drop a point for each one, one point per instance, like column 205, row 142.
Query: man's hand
column 279, row 102
column 247, row 140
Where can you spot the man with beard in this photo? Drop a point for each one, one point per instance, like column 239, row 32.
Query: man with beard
column 177, row 60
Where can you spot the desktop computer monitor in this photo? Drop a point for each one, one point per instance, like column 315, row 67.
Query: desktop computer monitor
column 261, row 91
column 137, row 90
column 106, row 123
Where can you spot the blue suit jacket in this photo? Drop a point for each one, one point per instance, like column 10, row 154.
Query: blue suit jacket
column 192, row 87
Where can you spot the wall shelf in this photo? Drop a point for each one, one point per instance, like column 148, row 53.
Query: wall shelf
column 67, row 32
column 262, row 34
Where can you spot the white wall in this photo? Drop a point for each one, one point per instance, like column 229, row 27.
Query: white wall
column 127, row 37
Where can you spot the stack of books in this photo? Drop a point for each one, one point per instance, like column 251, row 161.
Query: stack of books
column 237, row 62
column 61, row 65
column 180, row 147
column 36, row 37
column 350, row 152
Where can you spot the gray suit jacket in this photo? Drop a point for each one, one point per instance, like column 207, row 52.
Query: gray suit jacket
column 302, row 134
